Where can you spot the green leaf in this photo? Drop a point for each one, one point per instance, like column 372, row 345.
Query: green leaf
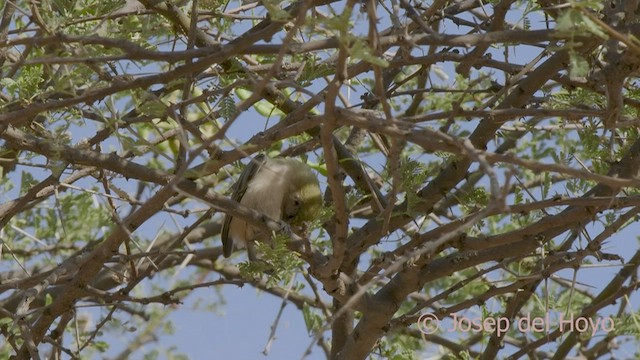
column 578, row 66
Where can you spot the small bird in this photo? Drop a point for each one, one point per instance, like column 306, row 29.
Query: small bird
column 280, row 188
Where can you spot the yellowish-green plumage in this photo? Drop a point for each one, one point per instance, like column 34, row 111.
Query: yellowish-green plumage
column 281, row 188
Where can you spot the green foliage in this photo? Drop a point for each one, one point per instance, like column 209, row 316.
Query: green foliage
column 577, row 98
column 101, row 346
column 362, row 51
column 228, row 108
column 263, row 107
column 462, row 355
column 277, row 262
column 353, row 198
column 470, row 288
column 27, row 182
column 398, row 348
column 313, row 70
column 413, row 175
column 26, row 85
column 629, row 324
column 574, row 22
column 63, row 223
column 475, row 199
column 312, row 319
column 276, row 10
column 579, row 66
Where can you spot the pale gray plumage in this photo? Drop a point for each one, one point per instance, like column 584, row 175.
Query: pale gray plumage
column 282, row 189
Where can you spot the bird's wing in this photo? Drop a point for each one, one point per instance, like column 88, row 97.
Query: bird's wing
column 239, row 188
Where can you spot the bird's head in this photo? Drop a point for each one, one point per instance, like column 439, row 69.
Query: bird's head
column 304, row 200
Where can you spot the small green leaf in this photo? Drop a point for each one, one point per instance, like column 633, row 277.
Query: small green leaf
column 579, row 67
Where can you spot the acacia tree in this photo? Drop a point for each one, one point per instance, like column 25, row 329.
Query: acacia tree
column 475, row 156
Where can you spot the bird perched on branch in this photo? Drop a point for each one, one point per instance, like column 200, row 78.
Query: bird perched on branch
column 282, row 189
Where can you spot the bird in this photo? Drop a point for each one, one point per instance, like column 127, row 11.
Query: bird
column 283, row 189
